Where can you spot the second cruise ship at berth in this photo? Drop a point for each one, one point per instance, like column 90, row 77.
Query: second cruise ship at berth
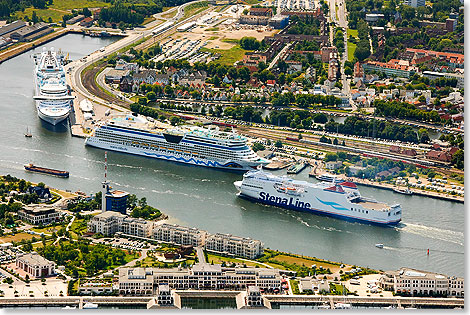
column 187, row 144
column 53, row 99
column 340, row 200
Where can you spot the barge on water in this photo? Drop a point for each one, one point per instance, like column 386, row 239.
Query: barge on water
column 297, row 167
column 32, row 168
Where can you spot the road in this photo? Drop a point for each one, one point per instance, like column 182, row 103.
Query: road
column 341, row 22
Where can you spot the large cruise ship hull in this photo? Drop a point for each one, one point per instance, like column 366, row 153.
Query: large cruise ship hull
column 52, row 119
column 228, row 165
column 320, row 212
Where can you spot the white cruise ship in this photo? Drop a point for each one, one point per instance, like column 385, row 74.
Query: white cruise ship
column 187, row 144
column 53, row 100
column 340, row 200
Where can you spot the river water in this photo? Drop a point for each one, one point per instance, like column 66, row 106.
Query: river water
column 206, row 198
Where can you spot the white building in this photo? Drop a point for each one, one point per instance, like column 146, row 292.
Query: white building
column 415, row 3
column 313, row 285
column 416, row 282
column 177, row 234
column 333, row 165
column 135, row 281
column 136, row 227
column 35, row 265
column 110, row 222
column 106, row 223
column 234, row 245
column 202, row 276
column 88, row 287
column 39, row 214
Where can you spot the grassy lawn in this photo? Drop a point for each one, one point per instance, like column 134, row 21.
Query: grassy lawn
column 212, row 37
column 17, row 237
column 220, row 9
column 351, row 50
column 194, row 9
column 127, row 259
column 306, row 261
column 78, row 227
column 253, row 1
column 338, row 288
column 228, row 56
column 47, row 229
column 229, row 260
column 78, row 4
column 55, row 15
column 38, row 245
column 148, row 20
column 212, row 29
column 352, row 32
column 63, row 193
column 294, row 284
column 169, row 14
column 230, row 40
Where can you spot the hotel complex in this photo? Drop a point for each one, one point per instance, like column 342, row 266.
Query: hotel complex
column 202, row 276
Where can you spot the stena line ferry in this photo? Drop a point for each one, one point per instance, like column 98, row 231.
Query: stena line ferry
column 207, row 147
column 340, row 200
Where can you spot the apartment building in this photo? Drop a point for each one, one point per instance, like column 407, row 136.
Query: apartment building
column 416, row 282
column 202, row 276
column 177, row 234
column 110, row 222
column 234, row 245
column 432, row 75
column 136, row 227
column 393, row 68
column 106, row 223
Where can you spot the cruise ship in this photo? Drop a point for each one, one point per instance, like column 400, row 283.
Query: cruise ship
column 340, row 200
column 207, row 147
column 53, row 99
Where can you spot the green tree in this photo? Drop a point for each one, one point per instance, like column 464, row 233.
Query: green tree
column 257, row 146
column 34, row 17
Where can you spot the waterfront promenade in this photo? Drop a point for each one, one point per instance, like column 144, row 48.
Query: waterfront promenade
column 306, row 300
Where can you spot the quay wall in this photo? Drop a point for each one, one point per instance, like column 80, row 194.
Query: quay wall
column 7, row 55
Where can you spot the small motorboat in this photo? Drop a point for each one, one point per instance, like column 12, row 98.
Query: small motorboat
column 68, row 307
column 89, row 305
column 406, row 191
column 342, row 306
column 379, row 245
column 28, row 134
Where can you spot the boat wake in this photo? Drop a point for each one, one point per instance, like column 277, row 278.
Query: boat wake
column 323, row 228
column 432, row 232
column 431, row 250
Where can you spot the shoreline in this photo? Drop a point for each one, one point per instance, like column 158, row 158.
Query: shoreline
column 417, row 192
column 27, row 46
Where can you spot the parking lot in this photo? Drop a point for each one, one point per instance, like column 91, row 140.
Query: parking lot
column 367, row 286
column 125, row 243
